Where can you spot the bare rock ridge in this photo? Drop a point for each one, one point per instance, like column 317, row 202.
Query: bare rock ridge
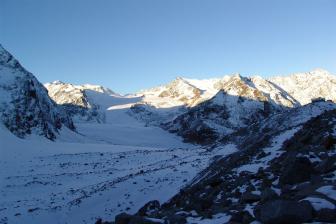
column 25, row 106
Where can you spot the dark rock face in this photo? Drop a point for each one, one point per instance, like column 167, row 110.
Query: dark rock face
column 326, row 165
column 92, row 114
column 192, row 125
column 242, row 217
column 26, row 107
column 326, row 215
column 176, row 219
column 283, row 211
column 100, row 221
column 249, row 197
column 123, row 218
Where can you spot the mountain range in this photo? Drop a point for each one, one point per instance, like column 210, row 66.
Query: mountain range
column 268, row 145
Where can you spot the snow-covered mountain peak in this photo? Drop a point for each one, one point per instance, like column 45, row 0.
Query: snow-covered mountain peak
column 98, row 88
column 179, row 78
column 237, row 76
column 6, row 59
column 56, row 82
column 178, row 84
column 317, row 73
column 280, row 92
column 304, row 87
column 4, row 55
column 320, row 72
column 82, row 102
column 176, row 93
column 60, row 84
column 65, row 93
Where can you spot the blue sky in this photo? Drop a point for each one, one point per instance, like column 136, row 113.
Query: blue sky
column 130, row 45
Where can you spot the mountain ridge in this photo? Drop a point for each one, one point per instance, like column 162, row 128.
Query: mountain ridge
column 25, row 106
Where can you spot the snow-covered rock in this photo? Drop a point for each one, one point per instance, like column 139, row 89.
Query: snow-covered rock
column 259, row 134
column 25, row 106
column 305, row 87
column 79, row 100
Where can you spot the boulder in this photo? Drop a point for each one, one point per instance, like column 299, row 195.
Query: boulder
column 268, row 194
column 326, row 165
column 242, row 217
column 297, row 171
column 329, row 142
column 249, row 197
column 326, row 215
column 150, row 209
column 284, row 211
column 125, row 218
column 176, row 219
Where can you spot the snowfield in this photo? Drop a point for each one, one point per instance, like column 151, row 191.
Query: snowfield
column 103, row 170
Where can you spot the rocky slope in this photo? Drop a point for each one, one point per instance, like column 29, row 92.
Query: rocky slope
column 25, row 106
column 78, row 100
column 290, row 178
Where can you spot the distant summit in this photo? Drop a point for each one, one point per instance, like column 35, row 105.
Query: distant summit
column 79, row 100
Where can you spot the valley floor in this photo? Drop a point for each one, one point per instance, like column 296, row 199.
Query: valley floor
column 102, row 171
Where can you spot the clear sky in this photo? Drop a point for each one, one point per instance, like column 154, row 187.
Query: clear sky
column 131, row 45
